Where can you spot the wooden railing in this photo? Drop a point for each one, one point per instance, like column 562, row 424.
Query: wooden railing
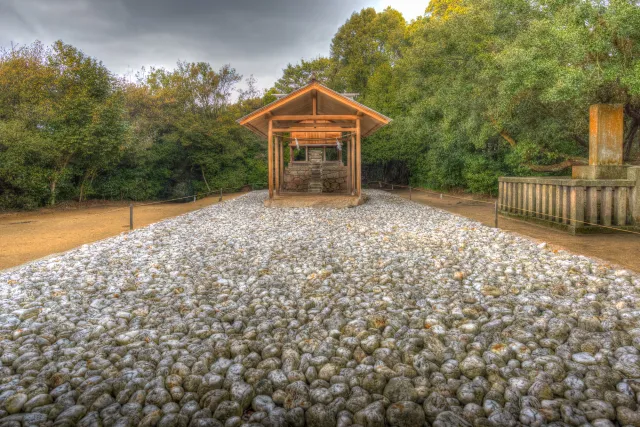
column 577, row 205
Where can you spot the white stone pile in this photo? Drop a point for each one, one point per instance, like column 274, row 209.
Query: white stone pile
column 391, row 313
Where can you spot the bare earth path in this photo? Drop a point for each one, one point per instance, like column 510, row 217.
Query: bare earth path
column 26, row 236
column 619, row 248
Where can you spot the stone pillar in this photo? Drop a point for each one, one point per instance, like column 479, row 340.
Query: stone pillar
column 538, row 201
column 606, row 132
column 566, row 204
column 633, row 173
column 551, row 197
column 592, row 205
column 606, row 140
column 531, row 200
column 577, row 208
column 605, row 206
column 559, row 212
column 620, row 206
column 545, row 202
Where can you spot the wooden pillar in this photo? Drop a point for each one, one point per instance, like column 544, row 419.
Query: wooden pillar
column 520, row 200
column 592, row 205
column 277, row 164
column 577, row 208
column 620, row 206
column 281, row 164
column 605, row 205
column 348, row 145
column 358, row 158
column 531, row 200
column 270, row 157
column 500, row 194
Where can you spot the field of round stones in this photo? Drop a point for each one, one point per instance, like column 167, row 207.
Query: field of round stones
column 391, row 313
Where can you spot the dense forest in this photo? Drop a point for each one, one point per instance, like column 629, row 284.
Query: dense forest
column 477, row 89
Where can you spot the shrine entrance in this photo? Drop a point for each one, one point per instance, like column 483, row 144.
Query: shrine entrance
column 319, row 132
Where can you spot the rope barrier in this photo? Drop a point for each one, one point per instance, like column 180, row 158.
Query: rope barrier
column 500, row 205
column 193, row 196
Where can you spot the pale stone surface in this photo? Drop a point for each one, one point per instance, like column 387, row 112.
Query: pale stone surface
column 390, row 313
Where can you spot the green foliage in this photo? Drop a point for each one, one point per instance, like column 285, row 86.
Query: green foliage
column 70, row 130
column 477, row 89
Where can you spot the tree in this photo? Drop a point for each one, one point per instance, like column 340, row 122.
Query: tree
column 298, row 75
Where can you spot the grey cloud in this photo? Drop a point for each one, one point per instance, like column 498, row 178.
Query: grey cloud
column 256, row 37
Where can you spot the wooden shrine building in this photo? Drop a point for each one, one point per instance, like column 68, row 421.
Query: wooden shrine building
column 321, row 131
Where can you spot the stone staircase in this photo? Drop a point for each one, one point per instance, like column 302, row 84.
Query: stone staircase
column 315, row 183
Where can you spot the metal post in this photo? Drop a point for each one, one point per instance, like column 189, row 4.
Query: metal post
column 409, row 192
column 496, row 214
column 220, row 195
column 130, row 216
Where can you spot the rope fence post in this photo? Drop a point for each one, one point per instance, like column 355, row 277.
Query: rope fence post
column 496, row 214
column 409, row 192
column 194, row 198
column 220, row 199
column 441, row 196
column 130, row 216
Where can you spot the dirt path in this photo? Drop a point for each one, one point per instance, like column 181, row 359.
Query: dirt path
column 26, row 236
column 619, row 248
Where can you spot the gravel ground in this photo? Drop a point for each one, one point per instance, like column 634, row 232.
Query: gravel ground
column 390, row 313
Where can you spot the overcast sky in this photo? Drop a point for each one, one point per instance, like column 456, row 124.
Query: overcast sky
column 258, row 37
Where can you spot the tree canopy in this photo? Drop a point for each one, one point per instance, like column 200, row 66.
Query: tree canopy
column 477, row 89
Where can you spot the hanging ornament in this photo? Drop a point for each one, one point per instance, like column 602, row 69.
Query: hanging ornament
column 338, row 144
column 297, row 144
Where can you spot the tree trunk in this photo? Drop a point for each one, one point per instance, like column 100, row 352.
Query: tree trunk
column 81, row 190
column 52, row 186
column 575, row 161
column 629, row 139
column 205, row 179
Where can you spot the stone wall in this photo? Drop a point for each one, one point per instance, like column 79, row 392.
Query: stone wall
column 297, row 176
column 334, row 178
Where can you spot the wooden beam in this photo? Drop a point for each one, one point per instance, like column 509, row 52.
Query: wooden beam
column 270, row 158
column 358, row 159
column 303, row 129
column 313, row 126
column 285, row 118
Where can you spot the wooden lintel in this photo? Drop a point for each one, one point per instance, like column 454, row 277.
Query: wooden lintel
column 284, row 118
column 314, row 125
column 319, row 129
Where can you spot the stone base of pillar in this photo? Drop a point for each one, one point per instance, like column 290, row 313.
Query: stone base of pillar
column 599, row 172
